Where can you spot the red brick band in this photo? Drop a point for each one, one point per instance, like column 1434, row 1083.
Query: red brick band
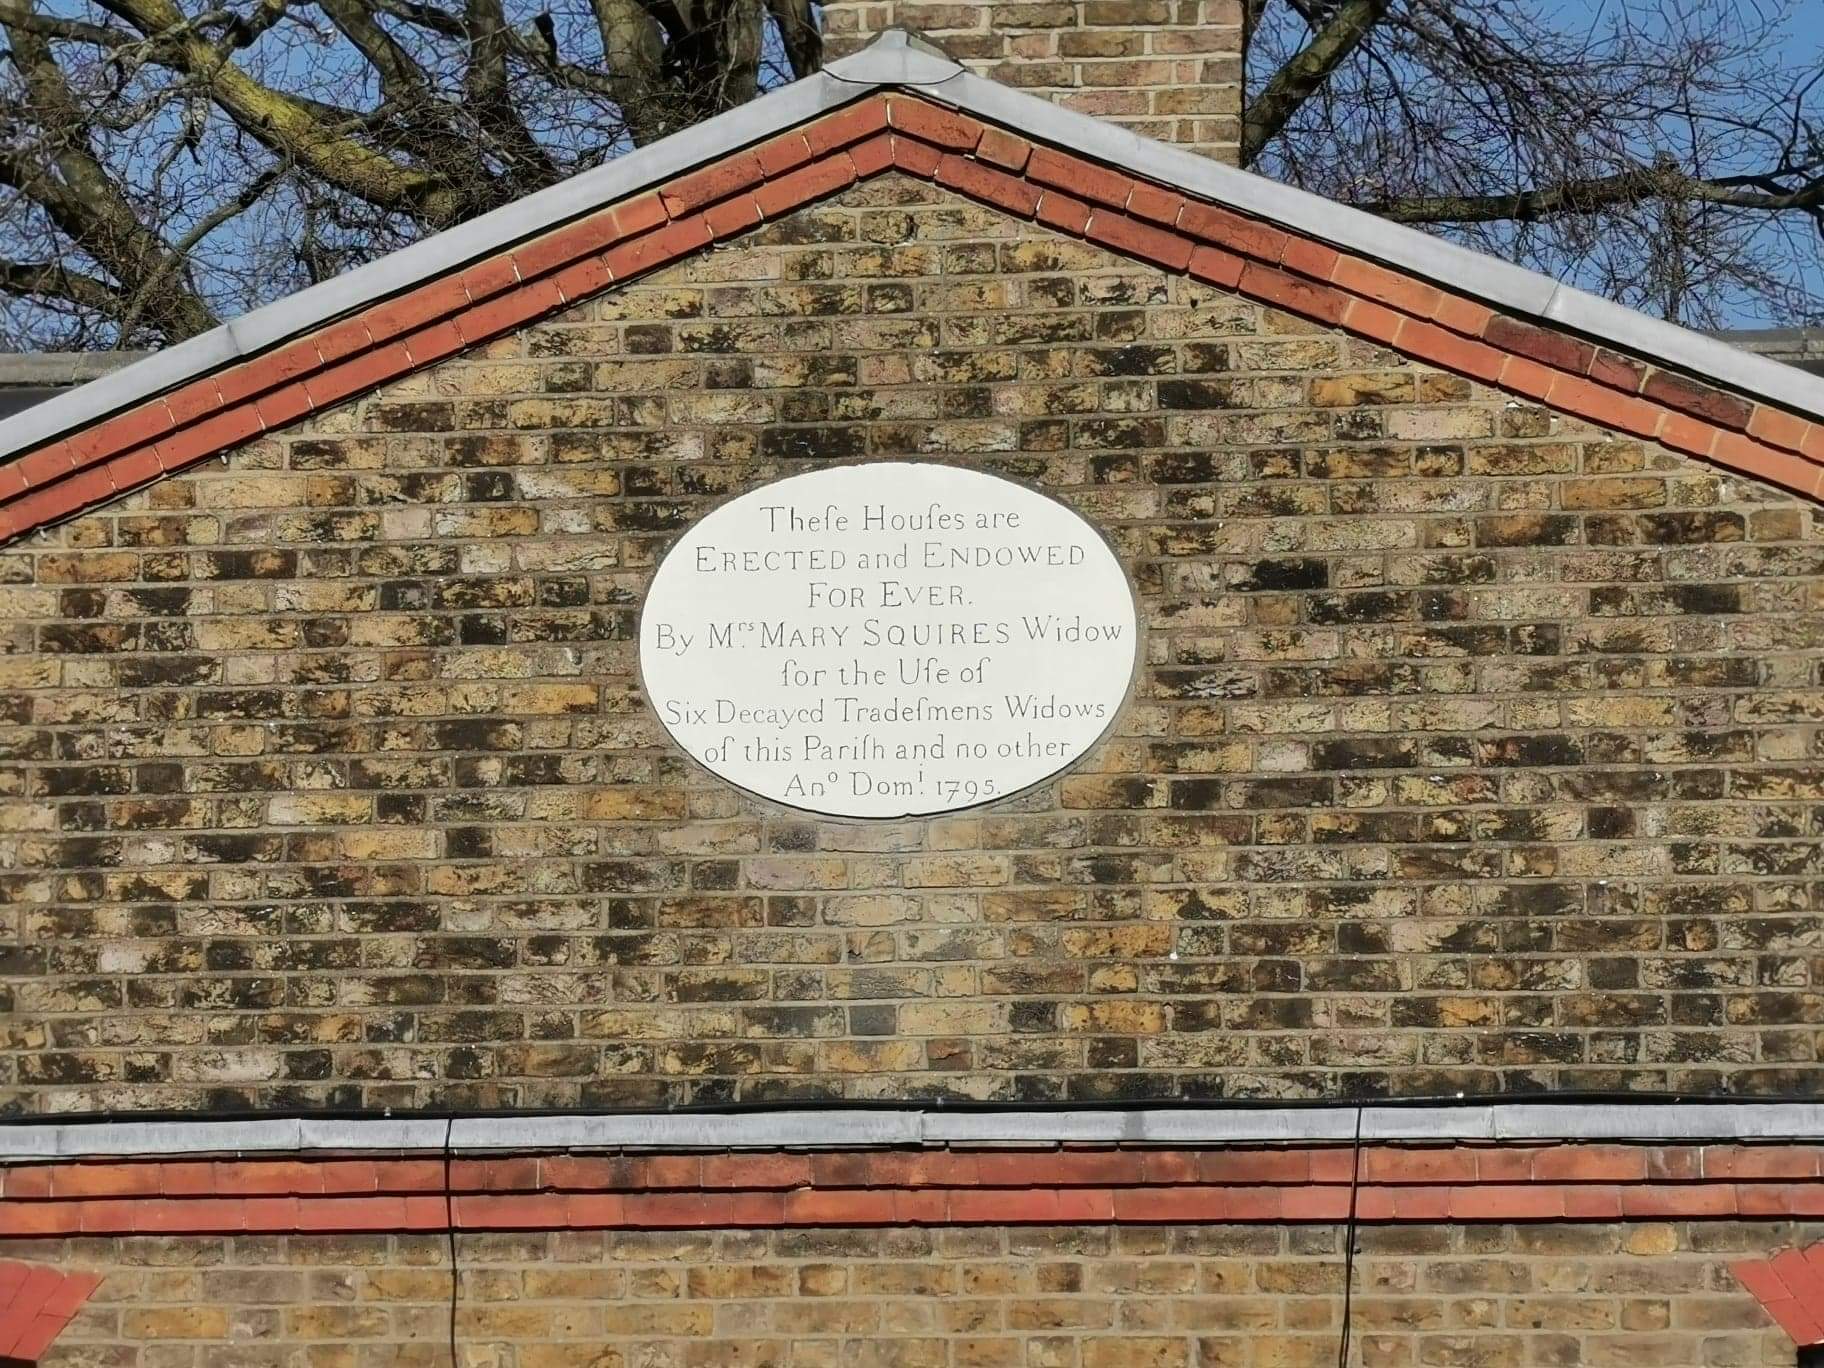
column 35, row 1304
column 1791, row 1288
column 922, row 1187
column 394, row 337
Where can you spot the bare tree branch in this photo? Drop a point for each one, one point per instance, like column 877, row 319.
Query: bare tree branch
column 1345, row 29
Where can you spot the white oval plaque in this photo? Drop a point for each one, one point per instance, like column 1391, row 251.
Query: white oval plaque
column 888, row 640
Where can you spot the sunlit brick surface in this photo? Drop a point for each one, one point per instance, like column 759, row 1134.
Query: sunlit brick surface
column 1477, row 749
column 1088, row 1297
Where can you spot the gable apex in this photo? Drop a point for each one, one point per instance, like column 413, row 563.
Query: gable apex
column 901, row 105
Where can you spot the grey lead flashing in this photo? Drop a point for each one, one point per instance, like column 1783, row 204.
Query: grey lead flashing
column 831, row 1128
column 896, row 60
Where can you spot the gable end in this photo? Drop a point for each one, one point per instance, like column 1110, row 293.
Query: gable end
column 1124, row 213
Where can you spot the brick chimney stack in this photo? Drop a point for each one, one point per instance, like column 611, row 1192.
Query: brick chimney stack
column 1168, row 68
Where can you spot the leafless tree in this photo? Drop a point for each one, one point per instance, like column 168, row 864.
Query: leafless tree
column 168, row 163
column 1668, row 154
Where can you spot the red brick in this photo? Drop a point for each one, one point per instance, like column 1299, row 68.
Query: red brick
column 188, row 1179
column 1526, row 377
column 1763, row 1199
column 27, row 1181
column 1294, row 295
column 1591, row 1164
column 1421, row 1203
column 45, row 466
column 135, row 428
column 193, row 401
column 408, row 1175
column 518, row 1211
column 1314, row 1203
column 1255, row 1203
column 1688, row 434
column 717, row 181
column 916, row 158
column 104, row 1180
column 1216, row 267
column 1394, row 1164
column 810, row 1207
column 1616, row 371
column 576, row 1173
column 545, row 254
column 594, row 1210
column 1592, row 1202
column 413, row 310
column 35, row 1219
column 339, row 341
column 271, row 371
column 424, row 347
column 1309, row 258
column 1003, row 1206
column 928, row 1168
column 1462, row 315
column 666, row 1171
column 1674, row 1163
column 1678, row 1201
column 1764, row 463
column 859, row 121
column 797, row 188
column 1547, row 346
column 259, row 1177
column 1107, row 1168
column 1750, row 1162
column 1062, row 212
column 982, row 182
column 1254, row 1166
column 35, row 1337
column 1142, row 240
column 586, row 278
column 213, row 436
column 783, row 153
column 1081, row 178
column 638, row 255
column 1154, row 204
column 1506, row 1202
column 756, row 1170
column 354, row 376
column 641, row 214
column 488, row 278
column 942, row 127
column 75, row 1289
column 1431, row 343
column 90, row 487
column 1777, row 428
column 1697, row 399
column 1395, row 290
column 1005, row 150
column 1373, row 321
column 925, row 1206
column 1249, row 237
column 1801, row 1278
column 509, row 310
column 289, row 403
column 1604, row 406
column 873, row 156
column 833, row 1168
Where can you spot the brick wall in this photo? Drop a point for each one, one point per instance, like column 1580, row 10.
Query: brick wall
column 1476, row 749
column 1074, row 1297
column 1170, row 69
